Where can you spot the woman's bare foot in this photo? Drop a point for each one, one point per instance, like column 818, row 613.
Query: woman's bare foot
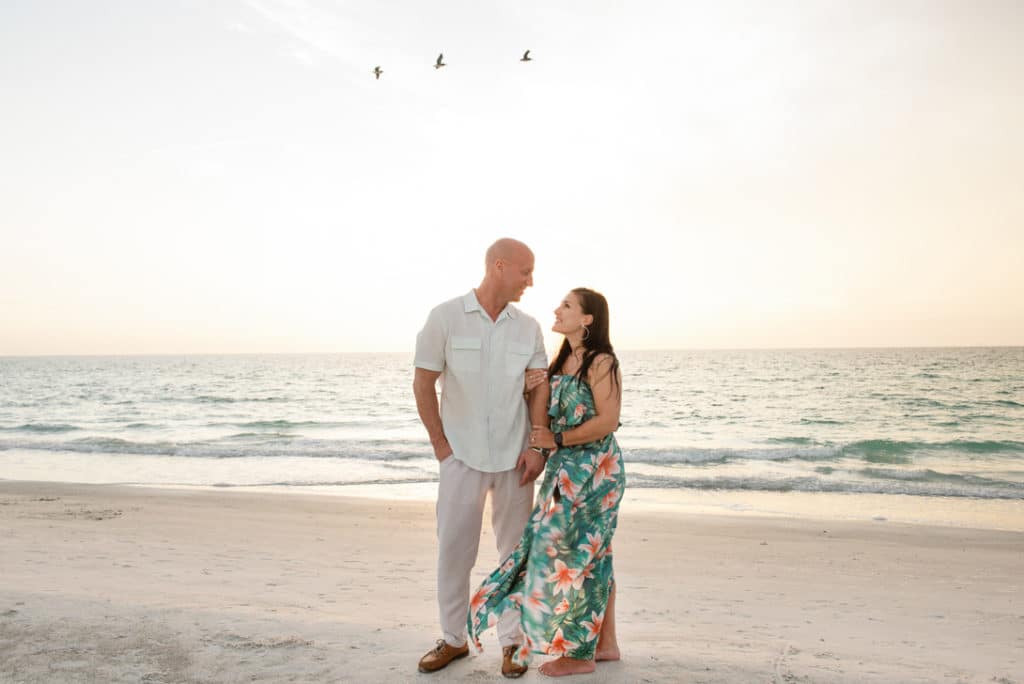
column 607, row 643
column 566, row 666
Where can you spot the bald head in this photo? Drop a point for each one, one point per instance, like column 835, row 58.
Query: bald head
column 506, row 249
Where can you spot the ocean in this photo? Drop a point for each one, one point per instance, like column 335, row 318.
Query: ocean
column 923, row 422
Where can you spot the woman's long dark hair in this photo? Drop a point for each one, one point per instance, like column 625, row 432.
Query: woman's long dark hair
column 596, row 341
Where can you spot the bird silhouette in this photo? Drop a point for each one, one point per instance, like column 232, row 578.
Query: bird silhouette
column 377, row 71
column 526, row 57
column 440, row 63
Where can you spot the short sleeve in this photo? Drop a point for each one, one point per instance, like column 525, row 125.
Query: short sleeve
column 540, row 356
column 430, row 343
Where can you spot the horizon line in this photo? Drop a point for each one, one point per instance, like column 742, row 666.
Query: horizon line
column 645, row 349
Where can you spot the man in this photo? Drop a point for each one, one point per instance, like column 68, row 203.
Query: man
column 480, row 346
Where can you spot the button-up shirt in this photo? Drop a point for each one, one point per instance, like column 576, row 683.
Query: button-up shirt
column 482, row 365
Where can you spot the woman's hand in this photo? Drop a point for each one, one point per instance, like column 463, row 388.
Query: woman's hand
column 534, row 378
column 542, row 437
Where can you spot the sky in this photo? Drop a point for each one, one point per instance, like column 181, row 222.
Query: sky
column 229, row 176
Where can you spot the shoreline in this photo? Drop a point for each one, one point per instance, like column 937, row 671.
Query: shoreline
column 957, row 512
column 127, row 583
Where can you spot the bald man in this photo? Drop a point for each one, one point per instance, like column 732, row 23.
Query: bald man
column 480, row 346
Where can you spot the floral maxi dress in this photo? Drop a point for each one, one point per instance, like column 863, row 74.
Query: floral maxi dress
column 560, row 573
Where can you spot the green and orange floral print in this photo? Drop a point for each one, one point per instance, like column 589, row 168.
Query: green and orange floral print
column 560, row 573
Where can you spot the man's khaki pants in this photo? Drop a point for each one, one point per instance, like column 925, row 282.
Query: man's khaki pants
column 460, row 511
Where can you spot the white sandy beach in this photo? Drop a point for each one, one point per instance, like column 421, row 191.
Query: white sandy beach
column 123, row 584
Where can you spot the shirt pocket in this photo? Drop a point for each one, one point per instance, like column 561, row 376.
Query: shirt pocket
column 465, row 354
column 517, row 357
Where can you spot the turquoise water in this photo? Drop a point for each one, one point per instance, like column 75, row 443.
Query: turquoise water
column 930, row 422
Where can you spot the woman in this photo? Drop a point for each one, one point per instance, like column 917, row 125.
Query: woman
column 560, row 573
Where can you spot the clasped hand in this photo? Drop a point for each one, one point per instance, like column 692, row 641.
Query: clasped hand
column 530, row 465
column 542, row 438
column 534, row 378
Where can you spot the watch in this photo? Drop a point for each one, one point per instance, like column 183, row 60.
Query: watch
column 558, row 439
column 543, row 452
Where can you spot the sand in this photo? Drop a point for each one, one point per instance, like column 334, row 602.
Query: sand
column 127, row 584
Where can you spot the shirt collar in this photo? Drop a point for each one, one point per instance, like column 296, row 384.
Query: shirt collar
column 471, row 303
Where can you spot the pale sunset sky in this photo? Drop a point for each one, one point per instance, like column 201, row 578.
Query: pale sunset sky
column 228, row 176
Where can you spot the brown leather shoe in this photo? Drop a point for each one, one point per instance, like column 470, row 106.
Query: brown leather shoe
column 438, row 657
column 508, row 667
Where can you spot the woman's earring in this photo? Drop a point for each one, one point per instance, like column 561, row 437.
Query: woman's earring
column 586, row 332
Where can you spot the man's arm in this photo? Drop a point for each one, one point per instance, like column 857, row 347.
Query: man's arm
column 530, row 461
column 537, row 403
column 423, row 387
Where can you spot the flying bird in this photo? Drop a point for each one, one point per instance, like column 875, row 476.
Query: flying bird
column 526, row 57
column 440, row 63
column 377, row 71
